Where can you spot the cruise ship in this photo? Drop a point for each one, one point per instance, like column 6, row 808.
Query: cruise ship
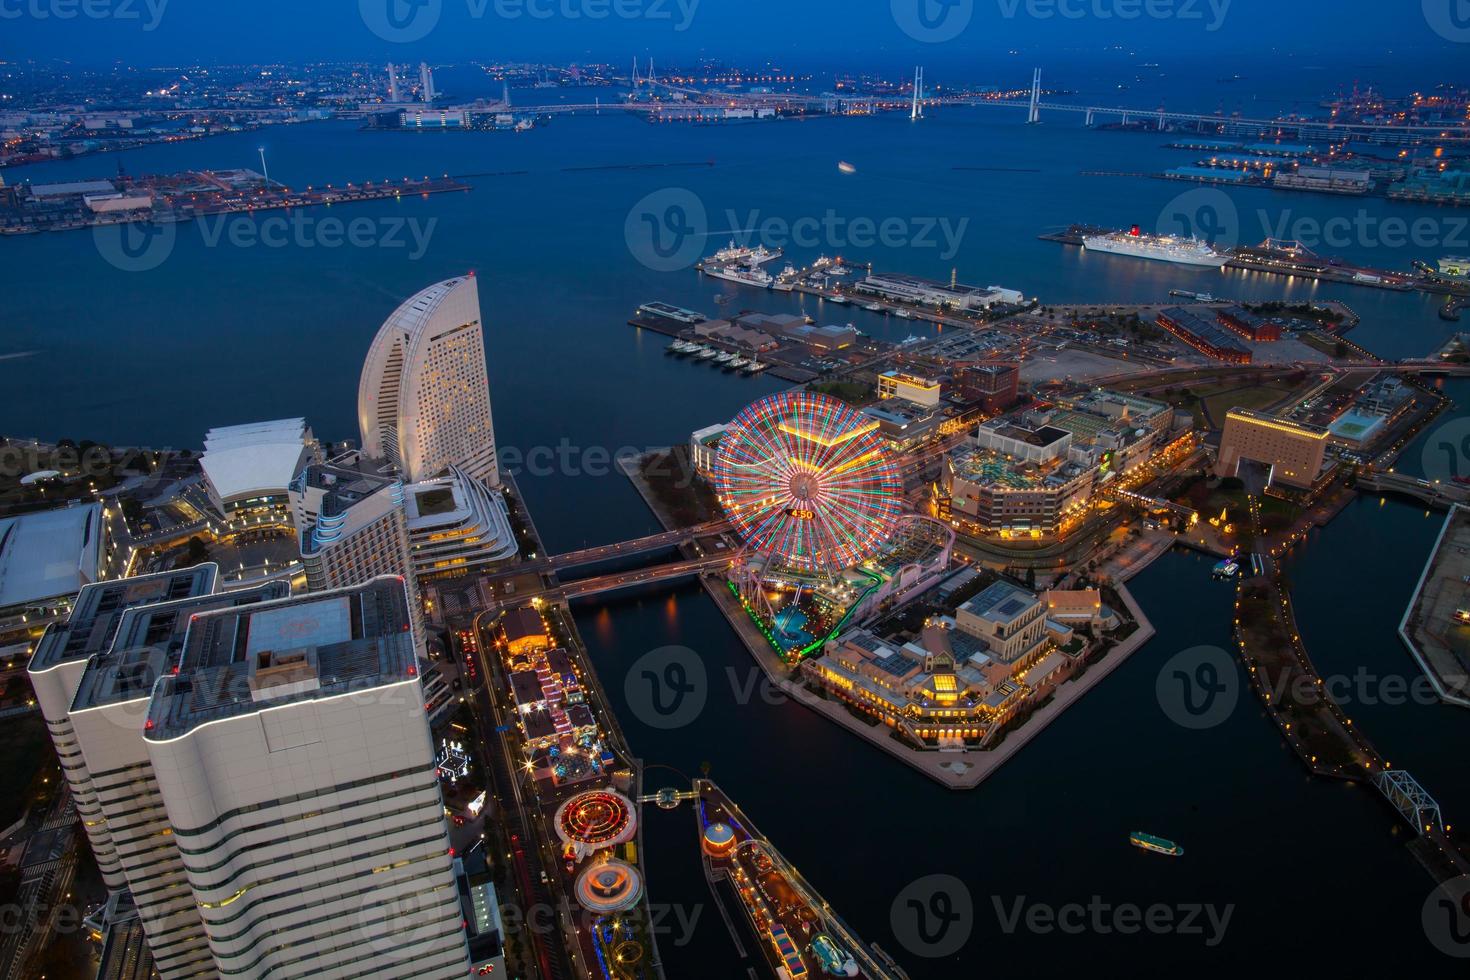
column 746, row 277
column 736, row 254
column 1163, row 248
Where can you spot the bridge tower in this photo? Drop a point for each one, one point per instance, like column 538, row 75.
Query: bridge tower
column 1411, row 800
column 918, row 110
column 1034, row 115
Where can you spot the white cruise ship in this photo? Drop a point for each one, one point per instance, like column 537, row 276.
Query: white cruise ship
column 746, row 277
column 1163, row 248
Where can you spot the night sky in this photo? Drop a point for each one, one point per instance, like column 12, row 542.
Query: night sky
column 852, row 34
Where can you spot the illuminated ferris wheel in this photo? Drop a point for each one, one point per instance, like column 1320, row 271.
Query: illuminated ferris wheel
column 808, row 481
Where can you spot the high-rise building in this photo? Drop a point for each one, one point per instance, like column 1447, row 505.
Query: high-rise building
column 352, row 527
column 394, row 95
column 295, row 764
column 56, row 671
column 424, row 399
column 108, row 714
column 1292, row 453
column 426, row 82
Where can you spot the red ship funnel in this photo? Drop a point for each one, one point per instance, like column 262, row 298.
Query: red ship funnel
column 1136, row 231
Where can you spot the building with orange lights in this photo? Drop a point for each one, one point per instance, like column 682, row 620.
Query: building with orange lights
column 1293, row 452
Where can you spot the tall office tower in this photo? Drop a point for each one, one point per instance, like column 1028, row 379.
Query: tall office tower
column 426, row 82
column 352, row 527
column 424, row 399
column 393, row 91
column 108, row 714
column 56, row 671
column 294, row 759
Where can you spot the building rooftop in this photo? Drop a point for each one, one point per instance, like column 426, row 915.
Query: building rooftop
column 1283, row 425
column 991, row 468
column 239, row 661
column 1002, row 604
column 148, row 643
column 49, row 553
column 257, row 459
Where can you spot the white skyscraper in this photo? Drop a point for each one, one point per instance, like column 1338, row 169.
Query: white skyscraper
column 393, row 93
column 426, row 81
column 108, row 715
column 424, row 399
column 294, row 761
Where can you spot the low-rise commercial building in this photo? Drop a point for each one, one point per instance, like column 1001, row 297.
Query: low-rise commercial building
column 1204, row 335
column 248, row 469
column 928, row 292
column 48, row 556
column 1253, row 328
column 909, row 387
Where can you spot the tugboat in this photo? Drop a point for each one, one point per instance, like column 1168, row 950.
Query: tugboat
column 1158, row 845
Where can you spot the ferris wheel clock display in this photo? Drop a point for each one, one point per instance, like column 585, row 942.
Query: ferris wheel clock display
column 808, row 481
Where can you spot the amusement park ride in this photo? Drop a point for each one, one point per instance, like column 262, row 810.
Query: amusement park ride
column 813, row 491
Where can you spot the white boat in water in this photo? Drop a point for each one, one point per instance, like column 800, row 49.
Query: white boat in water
column 737, row 364
column 874, row 308
column 707, row 353
column 756, row 367
column 839, row 300
column 724, row 358
column 745, row 277
column 1161, row 248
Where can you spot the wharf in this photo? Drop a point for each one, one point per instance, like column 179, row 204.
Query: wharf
column 754, row 868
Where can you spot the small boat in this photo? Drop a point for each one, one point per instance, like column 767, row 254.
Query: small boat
column 874, row 308
column 904, row 315
column 736, row 364
column 724, row 358
column 1158, row 845
column 756, row 367
column 839, row 300
column 1228, row 568
column 706, row 353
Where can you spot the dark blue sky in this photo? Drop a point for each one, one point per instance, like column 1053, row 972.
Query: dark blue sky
column 850, row 33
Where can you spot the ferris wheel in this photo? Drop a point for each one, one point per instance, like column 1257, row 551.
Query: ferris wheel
column 808, row 482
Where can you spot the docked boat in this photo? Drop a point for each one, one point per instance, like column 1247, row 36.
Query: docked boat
column 760, row 255
column 736, row 364
column 1162, row 248
column 725, row 358
column 1197, row 297
column 874, row 308
column 839, row 300
column 667, row 312
column 756, row 367
column 1158, row 845
column 745, row 277
column 1228, row 568
column 707, row 353
column 903, row 314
